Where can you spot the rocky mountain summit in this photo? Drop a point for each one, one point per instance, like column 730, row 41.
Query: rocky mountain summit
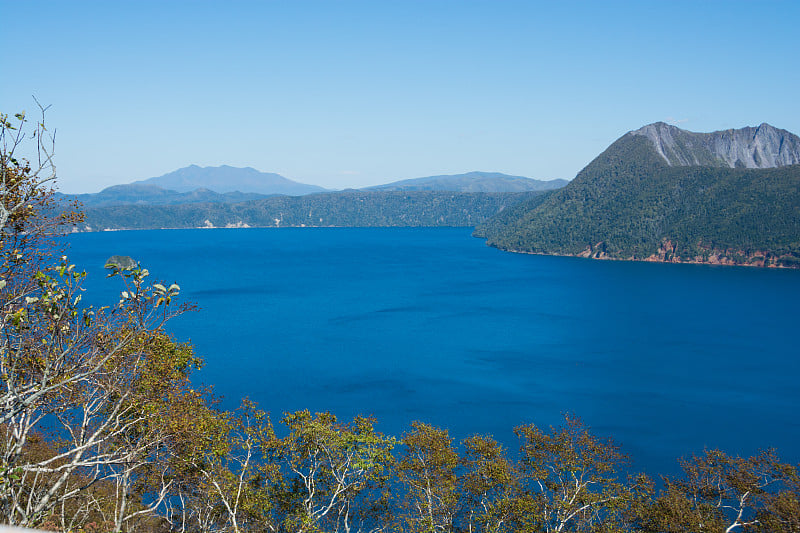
column 762, row 146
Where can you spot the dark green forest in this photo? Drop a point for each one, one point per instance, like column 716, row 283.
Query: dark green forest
column 347, row 208
column 629, row 204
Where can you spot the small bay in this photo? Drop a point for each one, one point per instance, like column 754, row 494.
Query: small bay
column 430, row 324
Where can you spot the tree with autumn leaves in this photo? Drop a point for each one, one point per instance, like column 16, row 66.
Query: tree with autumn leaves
column 566, row 479
column 98, row 391
column 103, row 430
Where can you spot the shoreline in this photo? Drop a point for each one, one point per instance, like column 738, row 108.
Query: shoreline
column 719, row 259
column 651, row 259
column 74, row 230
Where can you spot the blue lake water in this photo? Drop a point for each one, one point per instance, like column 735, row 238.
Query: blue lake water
column 430, row 324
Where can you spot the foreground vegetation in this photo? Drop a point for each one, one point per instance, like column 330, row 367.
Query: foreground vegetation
column 102, row 430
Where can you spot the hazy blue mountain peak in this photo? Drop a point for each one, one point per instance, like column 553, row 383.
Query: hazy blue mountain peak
column 225, row 179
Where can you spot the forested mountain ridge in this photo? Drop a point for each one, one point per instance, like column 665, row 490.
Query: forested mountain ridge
column 632, row 202
column 460, row 200
column 145, row 194
column 472, row 182
column 346, row 208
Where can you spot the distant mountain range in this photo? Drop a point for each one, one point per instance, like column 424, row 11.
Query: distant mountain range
column 225, row 179
column 665, row 194
column 226, row 184
column 472, row 182
column 244, row 197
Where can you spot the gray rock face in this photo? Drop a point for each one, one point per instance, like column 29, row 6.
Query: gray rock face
column 763, row 146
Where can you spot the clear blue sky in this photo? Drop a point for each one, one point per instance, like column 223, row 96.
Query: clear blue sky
column 348, row 94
